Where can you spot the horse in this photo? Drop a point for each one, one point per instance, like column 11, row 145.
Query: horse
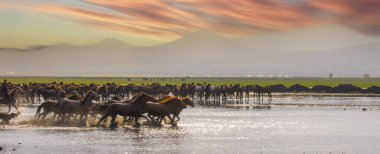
column 177, row 111
column 46, row 94
column 134, row 109
column 262, row 90
column 12, row 101
column 166, row 107
column 70, row 107
column 96, row 109
column 103, row 92
column 48, row 107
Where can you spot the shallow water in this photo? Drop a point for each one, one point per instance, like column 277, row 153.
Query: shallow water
column 215, row 129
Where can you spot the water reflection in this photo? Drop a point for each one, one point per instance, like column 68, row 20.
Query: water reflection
column 225, row 127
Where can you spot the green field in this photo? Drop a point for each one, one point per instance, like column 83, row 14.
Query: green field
column 364, row 83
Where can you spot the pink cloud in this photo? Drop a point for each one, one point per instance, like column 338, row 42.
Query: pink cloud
column 176, row 17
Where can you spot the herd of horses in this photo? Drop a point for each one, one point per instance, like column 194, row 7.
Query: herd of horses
column 141, row 105
column 153, row 102
column 33, row 92
column 109, row 90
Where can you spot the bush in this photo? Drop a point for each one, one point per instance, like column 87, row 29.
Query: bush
column 279, row 88
column 347, row 88
column 374, row 89
column 322, row 89
column 298, row 88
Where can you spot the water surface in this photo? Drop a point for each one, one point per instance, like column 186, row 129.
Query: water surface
column 343, row 128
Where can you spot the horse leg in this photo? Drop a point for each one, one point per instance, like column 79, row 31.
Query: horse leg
column 9, row 108
column 113, row 124
column 128, row 118
column 151, row 119
column 81, row 119
column 137, row 124
column 143, row 116
column 177, row 118
column 172, row 120
column 159, row 120
column 54, row 115
column 270, row 96
column 101, row 119
column 44, row 115
column 14, row 105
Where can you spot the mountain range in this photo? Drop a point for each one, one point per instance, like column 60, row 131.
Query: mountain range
column 313, row 51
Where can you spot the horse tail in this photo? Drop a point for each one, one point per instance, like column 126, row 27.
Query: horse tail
column 39, row 109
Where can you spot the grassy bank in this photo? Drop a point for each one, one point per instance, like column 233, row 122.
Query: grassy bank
column 364, row 83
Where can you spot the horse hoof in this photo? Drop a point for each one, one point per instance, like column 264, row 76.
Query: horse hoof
column 113, row 125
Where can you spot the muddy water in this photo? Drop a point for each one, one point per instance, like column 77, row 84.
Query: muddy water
column 282, row 128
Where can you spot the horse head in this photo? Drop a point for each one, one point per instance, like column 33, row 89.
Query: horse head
column 94, row 95
column 61, row 94
column 91, row 95
column 174, row 101
column 188, row 101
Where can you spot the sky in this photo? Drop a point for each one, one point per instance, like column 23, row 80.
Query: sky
column 26, row 23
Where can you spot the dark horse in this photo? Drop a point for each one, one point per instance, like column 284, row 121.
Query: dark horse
column 166, row 107
column 134, row 109
column 262, row 90
column 81, row 107
column 177, row 111
column 48, row 107
column 12, row 101
column 46, row 94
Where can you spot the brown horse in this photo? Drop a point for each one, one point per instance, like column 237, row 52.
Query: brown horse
column 176, row 112
column 12, row 101
column 49, row 106
column 81, row 107
column 166, row 107
column 134, row 109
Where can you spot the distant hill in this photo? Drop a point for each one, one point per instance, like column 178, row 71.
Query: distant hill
column 314, row 51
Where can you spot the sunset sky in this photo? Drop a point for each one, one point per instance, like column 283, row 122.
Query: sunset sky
column 26, row 23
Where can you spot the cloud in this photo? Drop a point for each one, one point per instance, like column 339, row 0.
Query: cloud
column 360, row 15
column 173, row 18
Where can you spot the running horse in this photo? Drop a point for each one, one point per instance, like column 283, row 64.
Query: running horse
column 166, row 107
column 135, row 108
column 12, row 101
column 81, row 107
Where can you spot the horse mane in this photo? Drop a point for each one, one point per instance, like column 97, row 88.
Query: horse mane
column 186, row 98
column 169, row 99
column 135, row 97
column 165, row 99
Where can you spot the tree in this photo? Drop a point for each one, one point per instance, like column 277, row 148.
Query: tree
column 366, row 76
column 331, row 75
